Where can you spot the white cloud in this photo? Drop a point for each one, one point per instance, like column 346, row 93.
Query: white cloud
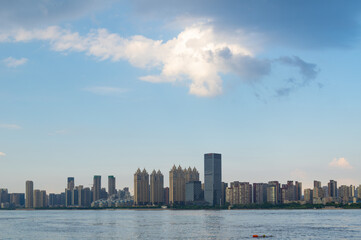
column 106, row 90
column 340, row 163
column 2, row 154
column 197, row 57
column 10, row 126
column 13, row 62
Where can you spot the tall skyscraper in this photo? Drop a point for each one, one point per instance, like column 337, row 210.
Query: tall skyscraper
column 29, row 186
column 71, row 183
column 332, row 189
column 178, row 178
column 177, row 185
column 156, row 187
column 213, row 178
column 141, row 187
column 191, row 175
column 96, row 188
column 111, row 185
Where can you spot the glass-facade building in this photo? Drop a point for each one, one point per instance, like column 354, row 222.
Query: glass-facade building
column 213, row 178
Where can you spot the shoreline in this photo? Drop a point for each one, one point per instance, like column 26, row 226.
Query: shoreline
column 175, row 209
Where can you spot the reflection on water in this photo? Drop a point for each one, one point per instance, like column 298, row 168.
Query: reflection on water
column 180, row 224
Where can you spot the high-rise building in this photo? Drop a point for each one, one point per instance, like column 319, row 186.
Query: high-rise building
column 87, row 199
column 141, row 187
column 68, row 197
column 177, row 186
column 239, row 193
column 260, row 193
column 96, row 187
column 317, row 184
column 17, row 199
column 56, row 200
column 274, row 192
column 298, row 191
column 289, row 192
column 166, row 195
column 156, row 187
column 308, row 195
column 318, row 192
column 71, row 183
column 178, row 178
column 43, row 199
column 29, row 186
column 37, row 196
column 193, row 192
column 4, row 195
column 75, row 197
column 191, row 175
column 80, row 190
column 353, row 191
column 345, row 193
column 224, row 188
column 359, row 192
column 111, row 185
column 213, row 178
column 103, row 193
column 325, row 191
column 332, row 189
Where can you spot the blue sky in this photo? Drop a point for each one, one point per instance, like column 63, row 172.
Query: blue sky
column 105, row 87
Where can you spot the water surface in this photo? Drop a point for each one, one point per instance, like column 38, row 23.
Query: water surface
column 180, row 224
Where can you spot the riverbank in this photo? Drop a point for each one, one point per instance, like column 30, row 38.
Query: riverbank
column 290, row 206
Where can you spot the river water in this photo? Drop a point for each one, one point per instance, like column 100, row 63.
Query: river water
column 180, row 224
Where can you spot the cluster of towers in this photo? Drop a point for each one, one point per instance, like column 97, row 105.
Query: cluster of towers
column 240, row 193
column 151, row 190
column 184, row 185
column 73, row 196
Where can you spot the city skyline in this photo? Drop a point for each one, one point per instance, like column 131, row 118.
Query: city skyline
column 185, row 190
column 105, row 87
column 70, row 181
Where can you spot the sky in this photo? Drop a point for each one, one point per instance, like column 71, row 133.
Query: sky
column 107, row 87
